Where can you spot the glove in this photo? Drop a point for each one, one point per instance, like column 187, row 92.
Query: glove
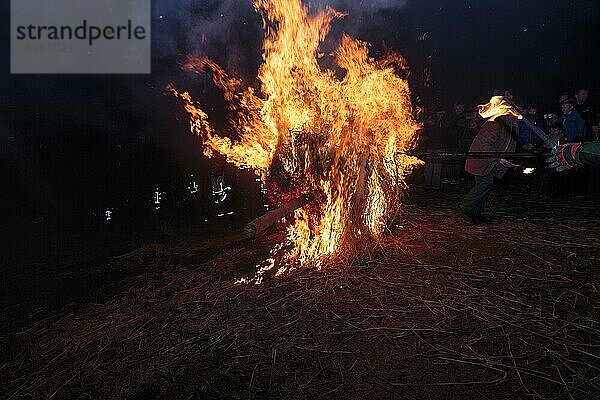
column 564, row 157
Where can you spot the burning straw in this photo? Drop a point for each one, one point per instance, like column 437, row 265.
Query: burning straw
column 318, row 132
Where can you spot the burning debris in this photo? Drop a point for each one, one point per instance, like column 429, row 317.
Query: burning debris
column 339, row 137
column 528, row 170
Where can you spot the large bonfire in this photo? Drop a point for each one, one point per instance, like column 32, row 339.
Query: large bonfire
column 337, row 134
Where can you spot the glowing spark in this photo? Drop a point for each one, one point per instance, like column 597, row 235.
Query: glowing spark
column 158, row 198
column 193, row 186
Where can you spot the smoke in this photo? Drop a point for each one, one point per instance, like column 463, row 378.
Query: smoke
column 363, row 6
column 230, row 30
column 226, row 30
column 363, row 20
column 363, row 14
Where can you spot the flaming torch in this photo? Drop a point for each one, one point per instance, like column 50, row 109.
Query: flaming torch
column 499, row 106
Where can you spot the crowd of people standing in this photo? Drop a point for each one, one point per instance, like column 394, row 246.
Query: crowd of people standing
column 572, row 120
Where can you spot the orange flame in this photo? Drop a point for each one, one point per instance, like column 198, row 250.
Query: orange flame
column 334, row 133
column 497, row 107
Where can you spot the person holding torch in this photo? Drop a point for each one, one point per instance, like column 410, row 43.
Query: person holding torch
column 497, row 135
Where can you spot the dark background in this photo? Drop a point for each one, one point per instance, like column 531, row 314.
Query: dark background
column 72, row 147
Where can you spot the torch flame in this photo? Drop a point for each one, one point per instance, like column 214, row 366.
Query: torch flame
column 334, row 133
column 497, row 107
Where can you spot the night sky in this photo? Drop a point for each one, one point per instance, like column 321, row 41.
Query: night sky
column 82, row 142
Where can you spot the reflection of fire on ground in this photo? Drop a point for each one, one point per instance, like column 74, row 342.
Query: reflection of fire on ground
column 220, row 195
column 312, row 131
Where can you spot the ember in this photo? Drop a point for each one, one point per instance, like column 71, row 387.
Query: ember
column 313, row 132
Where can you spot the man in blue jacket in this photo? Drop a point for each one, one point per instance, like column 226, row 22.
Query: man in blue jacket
column 527, row 138
column 573, row 124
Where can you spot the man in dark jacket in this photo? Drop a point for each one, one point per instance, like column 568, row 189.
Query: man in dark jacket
column 456, row 128
column 527, row 138
column 587, row 113
column 434, row 137
column 494, row 136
